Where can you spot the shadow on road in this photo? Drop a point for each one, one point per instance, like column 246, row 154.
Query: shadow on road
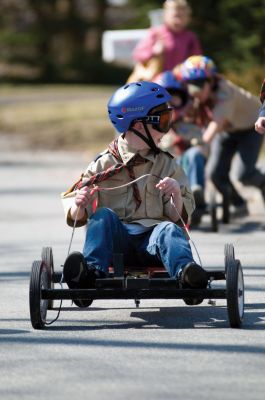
column 198, row 317
column 128, row 344
column 247, row 227
column 154, row 319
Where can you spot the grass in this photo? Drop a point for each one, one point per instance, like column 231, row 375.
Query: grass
column 53, row 117
column 68, row 117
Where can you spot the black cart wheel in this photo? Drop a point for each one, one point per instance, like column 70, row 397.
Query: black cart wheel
column 39, row 280
column 213, row 211
column 47, row 259
column 229, row 254
column 234, row 288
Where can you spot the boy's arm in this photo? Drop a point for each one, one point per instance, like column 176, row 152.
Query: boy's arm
column 144, row 49
column 260, row 123
column 80, row 204
column 183, row 200
column 171, row 188
column 212, row 129
column 83, row 199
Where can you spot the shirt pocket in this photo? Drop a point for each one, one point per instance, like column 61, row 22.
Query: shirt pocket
column 115, row 199
column 154, row 202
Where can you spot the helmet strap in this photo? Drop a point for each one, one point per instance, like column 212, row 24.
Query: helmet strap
column 148, row 140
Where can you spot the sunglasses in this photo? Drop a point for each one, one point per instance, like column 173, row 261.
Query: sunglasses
column 161, row 121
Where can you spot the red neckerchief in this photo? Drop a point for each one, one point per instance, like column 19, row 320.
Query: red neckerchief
column 113, row 170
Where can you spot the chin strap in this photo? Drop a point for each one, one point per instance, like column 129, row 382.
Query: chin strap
column 148, row 140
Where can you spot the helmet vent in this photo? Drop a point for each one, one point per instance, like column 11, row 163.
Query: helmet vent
column 119, row 116
column 154, row 89
column 160, row 96
column 126, row 87
column 138, row 84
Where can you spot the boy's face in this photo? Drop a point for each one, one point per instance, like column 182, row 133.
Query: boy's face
column 156, row 135
column 176, row 18
column 176, row 101
column 138, row 143
column 156, row 127
column 178, row 106
column 203, row 93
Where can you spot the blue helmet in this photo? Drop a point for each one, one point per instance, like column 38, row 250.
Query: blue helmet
column 174, row 86
column 134, row 101
column 169, row 82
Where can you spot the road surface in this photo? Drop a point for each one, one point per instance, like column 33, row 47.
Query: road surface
column 163, row 350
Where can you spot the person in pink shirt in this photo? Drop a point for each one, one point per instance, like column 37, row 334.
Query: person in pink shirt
column 171, row 40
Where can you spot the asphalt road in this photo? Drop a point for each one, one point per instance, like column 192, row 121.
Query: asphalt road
column 163, row 350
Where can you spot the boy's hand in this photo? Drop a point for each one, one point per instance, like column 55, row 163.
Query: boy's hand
column 169, row 186
column 260, row 125
column 84, row 196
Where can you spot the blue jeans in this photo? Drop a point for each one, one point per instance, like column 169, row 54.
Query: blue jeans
column 165, row 244
column 193, row 163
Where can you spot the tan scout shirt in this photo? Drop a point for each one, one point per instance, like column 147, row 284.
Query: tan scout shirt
column 239, row 107
column 154, row 207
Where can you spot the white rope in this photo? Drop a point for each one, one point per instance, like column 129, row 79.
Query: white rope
column 113, row 188
column 186, row 230
column 128, row 184
column 101, row 189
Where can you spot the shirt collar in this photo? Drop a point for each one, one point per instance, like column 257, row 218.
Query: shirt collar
column 127, row 153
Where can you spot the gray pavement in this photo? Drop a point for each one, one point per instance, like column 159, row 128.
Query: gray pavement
column 162, row 350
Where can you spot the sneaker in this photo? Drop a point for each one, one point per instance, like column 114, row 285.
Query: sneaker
column 78, row 276
column 193, row 276
column 239, row 211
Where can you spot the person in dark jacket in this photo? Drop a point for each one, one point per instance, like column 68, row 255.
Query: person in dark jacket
column 228, row 114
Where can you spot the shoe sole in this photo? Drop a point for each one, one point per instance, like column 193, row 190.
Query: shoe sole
column 83, row 303
column 193, row 302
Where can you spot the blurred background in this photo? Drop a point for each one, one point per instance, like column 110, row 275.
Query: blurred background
column 61, row 59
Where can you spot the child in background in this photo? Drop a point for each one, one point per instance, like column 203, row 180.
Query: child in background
column 183, row 141
column 171, row 41
column 227, row 113
column 177, row 90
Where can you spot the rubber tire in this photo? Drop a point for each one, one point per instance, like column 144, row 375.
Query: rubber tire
column 234, row 274
column 229, row 254
column 47, row 259
column 38, row 308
